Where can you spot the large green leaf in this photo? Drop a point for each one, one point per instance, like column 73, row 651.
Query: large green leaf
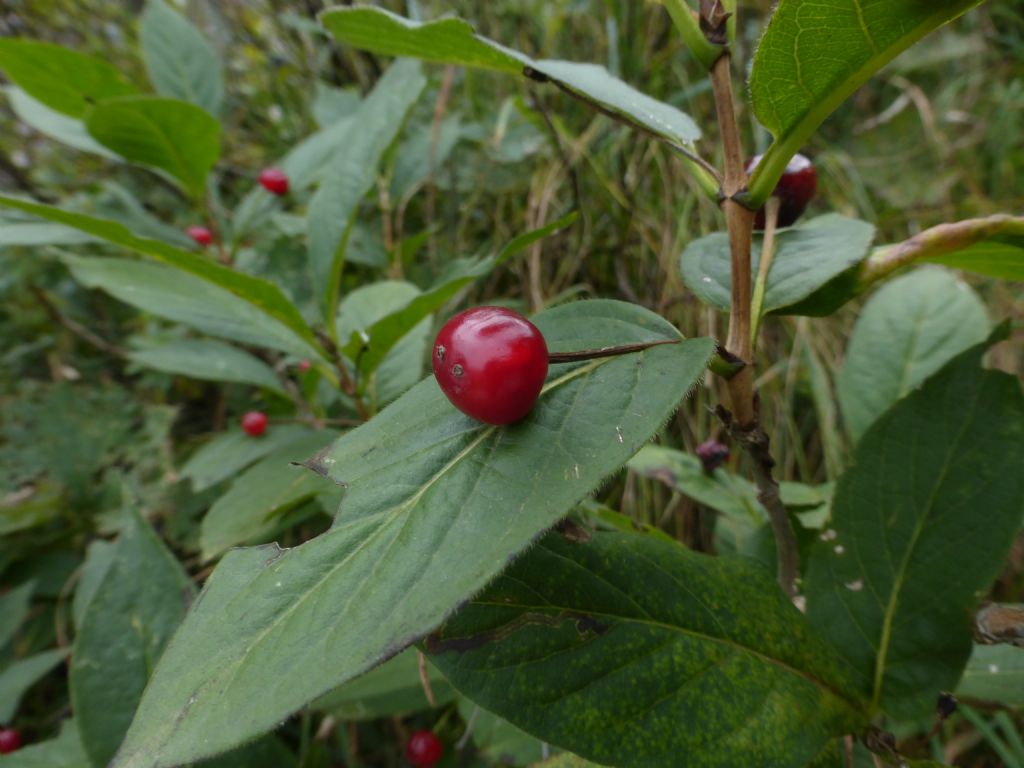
column 142, row 598
column 169, row 135
column 65, row 80
column 180, row 62
column 907, row 331
column 209, row 360
column 40, row 234
column 352, row 172
column 806, row 257
column 251, row 510
column 21, row 675
column 56, row 125
column 632, row 651
column 261, row 294
column 228, row 454
column 994, row 673
column 453, row 41
column 815, row 53
column 922, row 522
column 185, row 298
column 14, row 605
column 435, row 504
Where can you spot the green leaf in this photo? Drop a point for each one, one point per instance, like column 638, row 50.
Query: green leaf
column 64, row 80
column 169, row 135
column 97, row 561
column 142, row 598
column 21, row 675
column 228, row 454
column 906, row 332
column 58, row 126
column 1001, row 257
column 352, row 171
column 180, row 62
column 185, row 298
column 806, row 257
column 40, row 234
column 65, row 751
column 426, row 488
column 402, row 366
column 604, row 648
column 565, row 760
column 496, row 739
column 260, row 294
column 250, row 510
column 922, row 519
column 208, row 360
column 14, row 607
column 994, row 673
column 392, row 689
column 453, row 41
column 815, row 53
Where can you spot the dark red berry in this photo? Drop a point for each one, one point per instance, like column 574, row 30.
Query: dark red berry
column 201, row 235
column 424, row 749
column 795, row 189
column 491, row 363
column 254, row 423
column 712, row 454
column 10, row 740
column 274, row 180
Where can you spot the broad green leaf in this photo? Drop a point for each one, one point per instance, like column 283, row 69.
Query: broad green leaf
column 180, row 62
column 815, row 53
column 230, row 453
column 169, row 135
column 922, row 521
column 14, row 607
column 261, row 294
column 994, row 673
column 250, row 510
column 209, row 360
column 64, row 751
column 906, row 332
column 352, row 171
column 371, row 346
column 806, row 257
column 40, row 234
column 453, row 41
column 332, row 104
column 426, row 488
column 185, row 298
column 1001, row 257
column 142, row 598
column 97, row 561
column 64, row 80
column 120, row 204
column 402, row 366
column 393, row 688
column 21, row 675
column 56, row 125
column 605, row 648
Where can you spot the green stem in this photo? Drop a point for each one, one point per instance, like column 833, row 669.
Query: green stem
column 685, row 19
column 771, row 217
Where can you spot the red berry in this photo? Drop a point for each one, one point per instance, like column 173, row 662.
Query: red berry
column 304, row 365
column 201, row 235
column 795, row 189
column 491, row 363
column 274, row 180
column 254, row 423
column 10, row 740
column 424, row 749
column 712, row 454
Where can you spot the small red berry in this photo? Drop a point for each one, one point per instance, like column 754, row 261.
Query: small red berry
column 424, row 749
column 795, row 189
column 201, row 235
column 10, row 740
column 254, row 423
column 274, row 180
column 491, row 363
column 304, row 365
column 712, row 455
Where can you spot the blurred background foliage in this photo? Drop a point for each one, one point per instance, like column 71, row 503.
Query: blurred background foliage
column 86, row 433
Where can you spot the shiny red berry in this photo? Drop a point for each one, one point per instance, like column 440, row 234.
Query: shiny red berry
column 10, row 740
column 201, row 235
column 491, row 363
column 274, row 180
column 795, row 190
column 424, row 749
column 254, row 423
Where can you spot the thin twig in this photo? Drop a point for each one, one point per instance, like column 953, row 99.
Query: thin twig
column 75, row 327
column 771, row 219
